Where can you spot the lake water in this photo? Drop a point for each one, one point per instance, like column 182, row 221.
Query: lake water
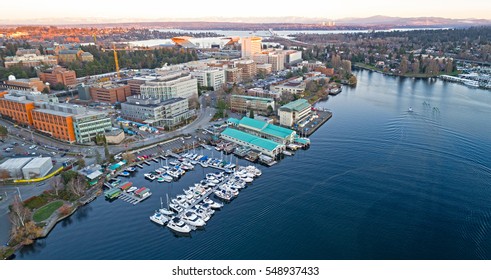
column 378, row 182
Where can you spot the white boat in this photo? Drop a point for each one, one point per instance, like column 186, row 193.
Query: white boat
column 248, row 179
column 132, row 189
column 192, row 219
column 410, row 109
column 178, row 226
column 161, row 180
column 149, row 176
column 131, row 169
column 287, row 153
column 227, row 196
column 159, row 218
column 213, row 204
column 167, row 178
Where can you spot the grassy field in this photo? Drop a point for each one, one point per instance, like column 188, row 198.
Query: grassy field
column 46, row 211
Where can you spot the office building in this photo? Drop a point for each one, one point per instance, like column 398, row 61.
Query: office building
column 110, row 92
column 293, row 85
column 248, row 69
column 210, row 77
column 250, row 46
column 58, row 75
column 177, row 84
column 244, row 104
column 17, row 105
column 30, row 60
column 31, row 84
column 37, row 167
column 233, row 75
column 294, row 111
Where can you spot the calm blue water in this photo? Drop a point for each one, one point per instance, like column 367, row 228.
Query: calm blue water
column 377, row 183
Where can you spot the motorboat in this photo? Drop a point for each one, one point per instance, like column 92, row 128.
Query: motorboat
column 149, row 176
column 131, row 169
column 161, row 180
column 410, row 109
column 222, row 194
column 213, row 204
column 192, row 219
column 175, row 207
column 132, row 189
column 167, row 178
column 159, row 218
column 124, row 174
column 179, row 226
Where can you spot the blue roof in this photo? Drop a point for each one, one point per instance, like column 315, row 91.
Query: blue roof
column 251, row 139
column 266, row 128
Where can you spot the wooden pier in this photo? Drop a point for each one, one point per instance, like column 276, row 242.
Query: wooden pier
column 139, row 165
column 146, row 162
column 156, row 160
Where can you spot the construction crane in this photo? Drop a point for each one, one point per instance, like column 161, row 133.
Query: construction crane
column 116, row 63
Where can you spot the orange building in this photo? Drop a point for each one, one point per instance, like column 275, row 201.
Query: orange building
column 58, row 124
column 58, row 75
column 18, row 109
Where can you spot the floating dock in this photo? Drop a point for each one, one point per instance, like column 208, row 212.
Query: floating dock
column 139, row 165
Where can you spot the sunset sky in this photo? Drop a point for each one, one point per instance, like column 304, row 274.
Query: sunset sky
column 161, row 9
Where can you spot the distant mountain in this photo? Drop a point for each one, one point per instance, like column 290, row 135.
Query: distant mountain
column 369, row 22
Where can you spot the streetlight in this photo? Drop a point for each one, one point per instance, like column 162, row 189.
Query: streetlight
column 20, row 196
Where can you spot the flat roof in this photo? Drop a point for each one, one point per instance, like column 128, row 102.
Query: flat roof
column 52, row 112
column 15, row 163
column 253, row 97
column 251, row 139
column 37, row 162
column 266, row 128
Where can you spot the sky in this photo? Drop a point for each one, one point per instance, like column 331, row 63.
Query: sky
column 164, row 9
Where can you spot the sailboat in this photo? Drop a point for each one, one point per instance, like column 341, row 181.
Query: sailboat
column 163, row 210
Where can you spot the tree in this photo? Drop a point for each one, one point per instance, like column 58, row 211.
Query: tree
column 98, row 158
column 106, row 152
column 4, row 174
column 129, row 157
column 45, row 90
column 404, row 66
column 57, row 184
column 270, row 110
column 67, row 176
column 77, row 185
column 3, row 131
column 449, row 66
column 251, row 114
column 194, row 103
column 81, row 163
column 416, row 66
column 19, row 214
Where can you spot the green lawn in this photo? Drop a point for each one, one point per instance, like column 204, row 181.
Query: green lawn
column 46, row 211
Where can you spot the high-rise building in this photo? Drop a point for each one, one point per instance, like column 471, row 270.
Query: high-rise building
column 248, row 69
column 250, row 46
column 233, row 75
column 58, row 75
column 211, row 77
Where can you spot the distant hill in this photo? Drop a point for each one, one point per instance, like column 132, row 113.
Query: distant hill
column 257, row 22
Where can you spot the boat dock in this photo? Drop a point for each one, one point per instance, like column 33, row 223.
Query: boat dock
column 146, row 162
column 132, row 199
column 162, row 157
column 139, row 165
column 118, row 192
column 156, row 160
column 310, row 127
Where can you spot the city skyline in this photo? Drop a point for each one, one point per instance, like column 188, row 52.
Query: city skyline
column 221, row 10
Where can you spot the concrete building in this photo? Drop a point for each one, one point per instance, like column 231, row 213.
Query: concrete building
column 18, row 105
column 89, row 124
column 30, row 60
column 211, row 77
column 294, row 111
column 244, row 103
column 14, row 166
column 58, row 75
column 265, row 146
column 260, row 92
column 277, row 60
column 260, row 58
column 115, row 136
column 293, row 85
column 33, row 84
column 233, row 75
column 264, row 69
column 37, row 167
column 136, row 83
column 54, row 124
column 250, row 46
column 110, row 92
column 248, row 69
column 178, row 84
column 293, row 56
column 67, row 56
column 84, row 92
column 155, row 112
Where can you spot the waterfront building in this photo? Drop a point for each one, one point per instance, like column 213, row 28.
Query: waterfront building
column 266, row 130
column 293, row 85
column 109, row 92
column 248, row 69
column 153, row 111
column 260, row 92
column 58, row 75
column 294, row 111
column 178, row 84
column 250, row 46
column 37, row 167
column 31, row 84
column 30, row 60
column 210, row 77
column 244, row 103
column 265, row 146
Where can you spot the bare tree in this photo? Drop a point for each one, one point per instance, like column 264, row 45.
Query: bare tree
column 57, row 184
column 129, row 157
column 77, row 185
column 19, row 214
column 4, row 174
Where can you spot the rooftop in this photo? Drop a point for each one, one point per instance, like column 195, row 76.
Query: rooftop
column 15, row 163
column 37, row 161
column 297, row 105
column 253, row 98
column 53, row 112
column 266, row 128
column 251, row 139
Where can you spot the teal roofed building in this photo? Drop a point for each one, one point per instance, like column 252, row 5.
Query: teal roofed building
column 266, row 130
column 294, row 111
column 265, row 146
column 233, row 121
